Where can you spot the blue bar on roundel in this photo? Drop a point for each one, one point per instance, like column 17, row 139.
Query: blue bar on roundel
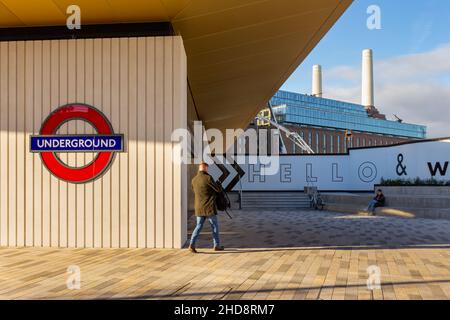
column 76, row 143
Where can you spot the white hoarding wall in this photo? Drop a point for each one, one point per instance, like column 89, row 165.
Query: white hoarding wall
column 359, row 170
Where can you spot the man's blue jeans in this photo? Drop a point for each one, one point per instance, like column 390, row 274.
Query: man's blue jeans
column 372, row 206
column 214, row 226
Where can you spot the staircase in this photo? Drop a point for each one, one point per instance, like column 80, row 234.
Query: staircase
column 273, row 200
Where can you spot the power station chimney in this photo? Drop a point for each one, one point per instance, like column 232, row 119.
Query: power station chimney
column 317, row 81
column 367, row 98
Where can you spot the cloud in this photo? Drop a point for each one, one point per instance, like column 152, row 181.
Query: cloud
column 410, row 86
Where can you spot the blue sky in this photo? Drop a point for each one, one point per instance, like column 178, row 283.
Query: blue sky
column 414, row 35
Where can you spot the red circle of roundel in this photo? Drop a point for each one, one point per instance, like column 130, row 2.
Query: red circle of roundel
column 76, row 112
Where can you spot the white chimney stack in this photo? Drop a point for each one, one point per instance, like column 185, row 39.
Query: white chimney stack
column 367, row 98
column 317, row 81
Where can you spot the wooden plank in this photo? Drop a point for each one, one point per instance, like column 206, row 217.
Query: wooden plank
column 63, row 186
column 132, row 148
column 180, row 121
column 168, row 127
column 89, row 99
column 20, row 122
column 106, row 180
column 159, row 140
column 4, row 197
column 79, row 128
column 71, row 157
column 124, row 218
column 141, row 143
column 37, row 163
column 12, row 142
column 151, row 144
column 97, row 184
column 115, row 168
column 29, row 128
column 54, row 182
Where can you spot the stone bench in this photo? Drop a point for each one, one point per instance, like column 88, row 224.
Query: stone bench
column 404, row 206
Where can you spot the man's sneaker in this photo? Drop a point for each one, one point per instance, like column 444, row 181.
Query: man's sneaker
column 192, row 249
column 220, row 248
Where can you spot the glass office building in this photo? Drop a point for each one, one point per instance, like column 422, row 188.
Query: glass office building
column 295, row 108
column 332, row 127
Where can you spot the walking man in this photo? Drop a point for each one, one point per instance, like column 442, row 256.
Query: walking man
column 205, row 190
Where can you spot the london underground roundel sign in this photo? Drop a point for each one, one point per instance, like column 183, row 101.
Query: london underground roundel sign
column 105, row 143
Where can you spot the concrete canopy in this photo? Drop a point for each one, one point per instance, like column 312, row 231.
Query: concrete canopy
column 239, row 52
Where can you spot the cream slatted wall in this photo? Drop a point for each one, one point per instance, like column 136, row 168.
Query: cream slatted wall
column 140, row 85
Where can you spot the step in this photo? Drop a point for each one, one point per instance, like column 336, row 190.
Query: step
column 273, row 200
column 275, row 207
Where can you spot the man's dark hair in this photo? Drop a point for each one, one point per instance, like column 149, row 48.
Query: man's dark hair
column 379, row 190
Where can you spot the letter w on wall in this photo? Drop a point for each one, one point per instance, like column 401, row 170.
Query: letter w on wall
column 438, row 167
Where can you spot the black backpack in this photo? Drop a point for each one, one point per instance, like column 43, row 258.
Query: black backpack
column 223, row 203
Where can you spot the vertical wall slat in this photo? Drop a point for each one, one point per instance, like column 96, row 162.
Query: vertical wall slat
column 115, row 121
column 63, row 186
column 123, row 158
column 132, row 147
column 141, row 129
column 54, row 184
column 4, row 196
column 79, row 127
column 89, row 99
column 159, row 140
column 71, row 157
column 20, row 138
column 46, row 109
column 12, row 142
column 151, row 143
column 168, row 127
column 37, row 163
column 97, row 184
column 179, row 121
column 29, row 129
column 106, row 181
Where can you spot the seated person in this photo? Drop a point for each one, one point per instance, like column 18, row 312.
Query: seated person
column 378, row 201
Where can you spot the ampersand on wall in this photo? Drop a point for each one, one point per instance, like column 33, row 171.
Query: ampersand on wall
column 401, row 168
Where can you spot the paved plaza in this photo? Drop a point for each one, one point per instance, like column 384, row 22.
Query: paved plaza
column 276, row 254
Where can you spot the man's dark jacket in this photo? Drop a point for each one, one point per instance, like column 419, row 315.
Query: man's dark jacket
column 206, row 191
